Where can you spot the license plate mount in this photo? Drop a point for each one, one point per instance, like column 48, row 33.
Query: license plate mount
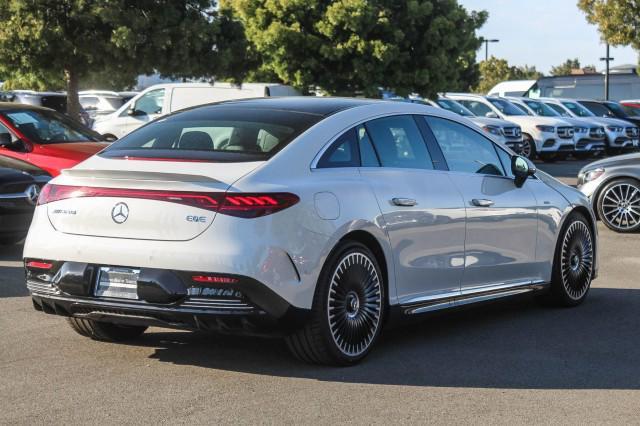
column 117, row 282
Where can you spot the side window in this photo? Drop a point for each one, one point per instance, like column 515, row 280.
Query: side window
column 342, row 153
column 478, row 108
column 368, row 157
column 89, row 102
column 151, row 102
column 464, row 149
column 399, row 143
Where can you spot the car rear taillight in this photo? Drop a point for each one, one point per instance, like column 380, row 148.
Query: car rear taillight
column 214, row 279
column 245, row 205
column 37, row 264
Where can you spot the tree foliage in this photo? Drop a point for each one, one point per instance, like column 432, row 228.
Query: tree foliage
column 565, row 67
column 351, row 47
column 617, row 20
column 495, row 70
column 45, row 41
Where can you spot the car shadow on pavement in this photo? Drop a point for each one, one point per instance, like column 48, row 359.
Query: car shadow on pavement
column 515, row 344
column 12, row 282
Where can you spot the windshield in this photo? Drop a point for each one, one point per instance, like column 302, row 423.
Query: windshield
column 522, row 108
column 617, row 109
column 506, row 107
column 578, row 109
column 215, row 134
column 632, row 111
column 454, row 106
column 541, row 109
column 597, row 109
column 45, row 127
column 557, row 108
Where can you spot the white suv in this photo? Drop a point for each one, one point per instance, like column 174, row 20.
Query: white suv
column 588, row 135
column 618, row 132
column 547, row 137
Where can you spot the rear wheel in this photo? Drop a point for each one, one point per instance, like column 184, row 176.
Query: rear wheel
column 347, row 312
column 573, row 263
column 105, row 331
column 619, row 205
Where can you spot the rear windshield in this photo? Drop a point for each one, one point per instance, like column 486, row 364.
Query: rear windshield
column 44, row 126
column 59, row 103
column 215, row 134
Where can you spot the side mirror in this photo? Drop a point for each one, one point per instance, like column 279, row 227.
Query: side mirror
column 131, row 111
column 491, row 115
column 521, row 169
column 5, row 139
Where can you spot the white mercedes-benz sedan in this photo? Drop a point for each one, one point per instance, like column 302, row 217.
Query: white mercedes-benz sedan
column 320, row 220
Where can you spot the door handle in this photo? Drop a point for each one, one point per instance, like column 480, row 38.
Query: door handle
column 481, row 202
column 404, row 202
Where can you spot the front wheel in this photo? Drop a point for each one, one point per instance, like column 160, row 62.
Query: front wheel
column 347, row 312
column 573, row 263
column 619, row 205
column 528, row 147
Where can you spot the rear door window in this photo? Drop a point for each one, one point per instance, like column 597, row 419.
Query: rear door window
column 399, row 143
column 342, row 153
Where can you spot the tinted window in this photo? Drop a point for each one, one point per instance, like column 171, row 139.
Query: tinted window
column 578, row 109
column 151, row 102
column 541, row 109
column 597, row 109
column 478, row 108
column 505, row 158
column 215, row 133
column 59, row 103
column 45, row 126
column 368, row 157
column 454, row 106
column 464, row 149
column 342, row 153
column 559, row 110
column 506, row 107
column 399, row 143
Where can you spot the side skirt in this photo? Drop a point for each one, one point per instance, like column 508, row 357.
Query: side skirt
column 416, row 309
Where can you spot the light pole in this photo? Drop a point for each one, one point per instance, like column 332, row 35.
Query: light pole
column 606, row 60
column 486, row 42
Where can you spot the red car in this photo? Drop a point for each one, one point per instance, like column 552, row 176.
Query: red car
column 45, row 138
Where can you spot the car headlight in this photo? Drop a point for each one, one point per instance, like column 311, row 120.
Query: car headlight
column 593, row 174
column 548, row 129
column 616, row 129
column 494, row 130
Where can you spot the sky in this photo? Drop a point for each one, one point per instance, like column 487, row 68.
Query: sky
column 543, row 33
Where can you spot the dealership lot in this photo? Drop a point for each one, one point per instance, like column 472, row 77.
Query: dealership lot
column 500, row 363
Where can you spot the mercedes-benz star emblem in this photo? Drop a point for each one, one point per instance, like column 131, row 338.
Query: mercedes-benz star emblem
column 32, row 193
column 120, row 213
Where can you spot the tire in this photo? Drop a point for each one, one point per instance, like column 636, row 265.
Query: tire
column 528, row 147
column 350, row 277
column 618, row 205
column 104, row 331
column 572, row 264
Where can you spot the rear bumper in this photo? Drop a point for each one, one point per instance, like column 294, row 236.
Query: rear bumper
column 166, row 299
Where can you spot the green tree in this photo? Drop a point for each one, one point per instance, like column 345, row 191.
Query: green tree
column 48, row 41
column 617, row 20
column 495, row 70
column 565, row 67
column 353, row 47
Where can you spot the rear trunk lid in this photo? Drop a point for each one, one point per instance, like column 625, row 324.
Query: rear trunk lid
column 150, row 200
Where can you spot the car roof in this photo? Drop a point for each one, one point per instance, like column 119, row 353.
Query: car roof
column 7, row 106
column 317, row 105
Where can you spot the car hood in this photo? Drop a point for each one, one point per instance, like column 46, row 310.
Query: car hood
column 12, row 176
column 486, row 121
column 77, row 151
column 528, row 120
column 606, row 121
column 617, row 161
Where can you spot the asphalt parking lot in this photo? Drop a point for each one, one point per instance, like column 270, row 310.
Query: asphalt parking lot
column 511, row 362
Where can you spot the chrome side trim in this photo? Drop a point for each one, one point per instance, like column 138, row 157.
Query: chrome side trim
column 469, row 296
